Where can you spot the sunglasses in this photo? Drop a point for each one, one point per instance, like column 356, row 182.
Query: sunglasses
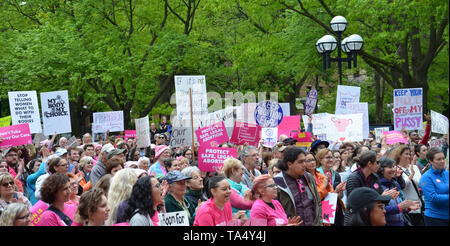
column 8, row 184
column 24, row 217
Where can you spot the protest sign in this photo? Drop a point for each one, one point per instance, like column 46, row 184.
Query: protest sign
column 436, row 143
column 5, row 121
column 130, row 134
column 286, row 107
column 55, row 112
column 439, row 123
column 24, row 108
column 288, row 124
column 359, row 108
column 142, row 132
column 311, row 102
column 104, row 121
column 197, row 85
column 246, row 133
column 329, row 204
column 269, row 135
column 379, row 132
column 346, row 94
column 212, row 135
column 268, row 114
column 228, row 115
column 304, row 139
column 345, row 128
column 393, row 137
column 179, row 218
column 319, row 123
column 15, row 135
column 408, row 111
column 182, row 136
column 248, row 113
column 72, row 142
column 211, row 158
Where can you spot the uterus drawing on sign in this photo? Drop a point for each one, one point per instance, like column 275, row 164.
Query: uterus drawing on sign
column 341, row 124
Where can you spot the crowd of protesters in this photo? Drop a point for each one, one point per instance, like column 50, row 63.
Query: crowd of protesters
column 112, row 182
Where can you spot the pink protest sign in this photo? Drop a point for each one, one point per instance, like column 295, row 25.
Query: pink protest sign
column 211, row 158
column 304, row 139
column 130, row 134
column 393, row 137
column 15, row 135
column 288, row 124
column 212, row 135
column 246, row 133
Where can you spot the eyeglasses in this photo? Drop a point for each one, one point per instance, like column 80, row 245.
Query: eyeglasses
column 8, row 184
column 271, row 186
column 24, row 217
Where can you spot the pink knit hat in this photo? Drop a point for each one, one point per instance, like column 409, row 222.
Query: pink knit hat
column 159, row 149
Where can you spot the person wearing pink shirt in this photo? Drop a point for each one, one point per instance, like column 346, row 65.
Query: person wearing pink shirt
column 217, row 210
column 266, row 207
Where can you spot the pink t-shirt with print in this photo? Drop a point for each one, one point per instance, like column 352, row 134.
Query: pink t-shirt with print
column 261, row 210
column 210, row 215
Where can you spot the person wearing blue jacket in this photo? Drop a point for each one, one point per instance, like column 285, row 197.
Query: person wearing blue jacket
column 435, row 187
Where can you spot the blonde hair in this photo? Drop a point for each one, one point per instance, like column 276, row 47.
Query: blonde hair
column 10, row 214
column 84, row 161
column 6, row 177
column 120, row 190
column 320, row 155
column 273, row 162
column 229, row 164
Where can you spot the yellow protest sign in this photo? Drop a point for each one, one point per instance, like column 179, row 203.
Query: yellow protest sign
column 5, row 121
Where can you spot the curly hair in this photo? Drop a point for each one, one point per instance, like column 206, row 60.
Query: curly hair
column 290, row 155
column 52, row 185
column 112, row 163
column 141, row 198
column 119, row 191
column 89, row 202
column 10, row 214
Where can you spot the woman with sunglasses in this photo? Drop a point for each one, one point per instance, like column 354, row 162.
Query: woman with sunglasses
column 8, row 194
column 266, row 207
column 17, row 214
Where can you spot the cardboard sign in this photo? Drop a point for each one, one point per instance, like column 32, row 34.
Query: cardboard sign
column 24, row 108
column 210, row 158
column 15, row 135
column 393, row 137
column 269, row 135
column 212, row 135
column 436, row 143
column 346, row 94
column 197, row 85
column 360, row 108
column 130, row 134
column 56, row 112
column 311, row 102
column 304, row 139
column 246, row 133
column 142, row 132
column 179, row 218
column 104, row 121
column 345, row 128
column 408, row 110
column 288, row 124
column 439, row 123
column 319, row 122
column 379, row 132
column 182, row 136
column 329, row 204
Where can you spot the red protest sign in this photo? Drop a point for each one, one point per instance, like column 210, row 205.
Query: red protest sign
column 212, row 135
column 210, row 158
column 246, row 133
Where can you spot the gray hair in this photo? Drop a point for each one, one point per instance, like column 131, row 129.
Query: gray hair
column 84, row 161
column 143, row 159
column 188, row 171
column 10, row 214
column 246, row 151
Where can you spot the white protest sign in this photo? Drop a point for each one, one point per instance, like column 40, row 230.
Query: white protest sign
column 142, row 132
column 319, row 122
column 436, row 143
column 379, row 132
column 286, row 107
column 104, row 121
column 329, row 204
column 72, row 142
column 408, row 109
column 360, row 108
column 227, row 115
column 55, row 112
column 439, row 123
column 345, row 128
column 311, row 102
column 346, row 94
column 182, row 136
column 197, row 86
column 269, row 135
column 179, row 218
column 24, row 108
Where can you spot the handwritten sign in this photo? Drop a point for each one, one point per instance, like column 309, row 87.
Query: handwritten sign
column 311, row 102
column 197, row 85
column 346, row 94
column 179, row 218
column 439, row 123
column 329, row 204
column 345, row 128
column 436, row 143
column 360, row 108
column 130, row 134
column 55, row 112
column 246, row 133
column 15, row 135
column 393, row 137
column 182, row 136
column 268, row 114
column 104, row 121
column 24, row 108
column 142, row 132
column 408, row 110
column 212, row 135
column 319, row 122
column 210, row 158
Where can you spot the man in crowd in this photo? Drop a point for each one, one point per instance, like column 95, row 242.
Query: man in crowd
column 99, row 169
column 74, row 159
column 250, row 158
column 153, row 132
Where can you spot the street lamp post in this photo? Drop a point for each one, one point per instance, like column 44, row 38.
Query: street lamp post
column 350, row 45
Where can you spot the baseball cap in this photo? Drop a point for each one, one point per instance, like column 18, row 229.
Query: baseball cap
column 61, row 152
column 363, row 196
column 107, row 148
column 114, row 152
column 279, row 147
column 289, row 141
column 174, row 176
column 9, row 149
